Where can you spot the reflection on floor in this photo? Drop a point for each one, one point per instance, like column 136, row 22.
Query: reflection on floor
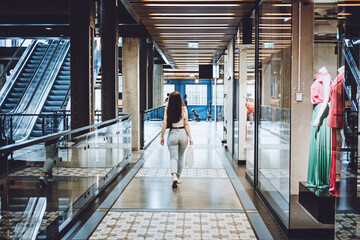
column 204, row 206
column 174, row 225
column 64, row 172
column 187, row 173
column 9, row 220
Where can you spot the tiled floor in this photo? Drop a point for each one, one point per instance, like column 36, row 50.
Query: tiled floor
column 204, row 206
column 9, row 220
column 174, row 225
column 64, row 172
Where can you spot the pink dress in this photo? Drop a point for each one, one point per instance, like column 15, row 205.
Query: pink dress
column 317, row 88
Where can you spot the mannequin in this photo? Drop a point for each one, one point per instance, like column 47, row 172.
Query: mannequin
column 320, row 141
column 336, row 122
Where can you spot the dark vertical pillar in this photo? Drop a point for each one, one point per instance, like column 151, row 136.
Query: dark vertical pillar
column 150, row 75
column 82, row 25
column 257, row 97
column 143, row 87
column 109, row 58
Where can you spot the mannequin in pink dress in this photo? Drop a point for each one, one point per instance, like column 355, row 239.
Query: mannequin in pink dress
column 336, row 122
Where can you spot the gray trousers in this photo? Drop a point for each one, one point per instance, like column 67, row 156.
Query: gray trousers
column 177, row 143
column 51, row 154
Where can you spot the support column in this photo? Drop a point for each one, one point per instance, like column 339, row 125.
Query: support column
column 301, row 112
column 150, row 71
column 143, row 87
column 158, row 86
column 109, row 58
column 242, row 102
column 82, row 25
column 131, row 86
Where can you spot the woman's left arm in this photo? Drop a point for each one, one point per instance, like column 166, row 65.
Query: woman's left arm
column 187, row 127
column 164, row 127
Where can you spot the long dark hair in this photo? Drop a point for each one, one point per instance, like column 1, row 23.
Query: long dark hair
column 174, row 108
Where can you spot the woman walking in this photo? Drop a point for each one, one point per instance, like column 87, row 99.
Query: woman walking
column 176, row 118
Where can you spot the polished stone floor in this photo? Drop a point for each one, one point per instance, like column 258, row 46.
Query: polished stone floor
column 204, row 206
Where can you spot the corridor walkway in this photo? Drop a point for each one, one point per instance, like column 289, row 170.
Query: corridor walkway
column 210, row 202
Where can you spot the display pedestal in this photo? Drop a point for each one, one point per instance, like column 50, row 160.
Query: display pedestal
column 318, row 203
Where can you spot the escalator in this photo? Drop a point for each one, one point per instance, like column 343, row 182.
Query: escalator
column 31, row 61
column 56, row 98
column 350, row 51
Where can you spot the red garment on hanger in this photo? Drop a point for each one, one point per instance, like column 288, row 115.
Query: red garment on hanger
column 337, row 96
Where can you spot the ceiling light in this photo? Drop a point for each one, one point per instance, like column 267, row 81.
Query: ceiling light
column 192, row 28
column 277, row 14
column 48, row 28
column 282, row 5
column 345, row 14
column 348, row 5
column 190, row 5
column 275, row 18
column 192, row 18
column 192, row 14
column 192, row 45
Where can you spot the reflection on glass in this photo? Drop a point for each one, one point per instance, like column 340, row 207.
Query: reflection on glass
column 250, row 107
column 274, row 124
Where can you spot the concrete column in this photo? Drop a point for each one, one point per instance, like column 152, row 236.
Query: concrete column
column 143, row 61
column 301, row 112
column 229, row 79
column 131, row 86
column 158, row 85
column 109, row 58
column 82, row 25
column 242, row 101
column 150, row 73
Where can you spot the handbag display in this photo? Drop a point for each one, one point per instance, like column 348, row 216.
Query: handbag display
column 189, row 157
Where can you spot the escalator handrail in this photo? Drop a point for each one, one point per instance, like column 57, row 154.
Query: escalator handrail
column 14, row 110
column 49, row 82
column 17, row 70
column 12, row 59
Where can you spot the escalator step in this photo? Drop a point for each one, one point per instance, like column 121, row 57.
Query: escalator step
column 20, row 84
column 29, row 70
column 60, row 87
column 33, row 61
column 50, row 109
column 58, row 92
column 36, row 133
column 52, row 103
column 11, row 100
column 55, row 98
column 23, row 80
column 63, row 77
column 15, row 95
column 9, row 105
column 18, row 90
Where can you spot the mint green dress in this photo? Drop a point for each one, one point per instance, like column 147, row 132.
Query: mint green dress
column 319, row 152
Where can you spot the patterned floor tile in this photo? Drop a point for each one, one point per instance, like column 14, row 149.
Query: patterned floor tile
column 9, row 220
column 174, row 225
column 63, row 172
column 187, row 173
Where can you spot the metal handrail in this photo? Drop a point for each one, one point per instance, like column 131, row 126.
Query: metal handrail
column 11, row 60
column 16, row 146
column 154, row 109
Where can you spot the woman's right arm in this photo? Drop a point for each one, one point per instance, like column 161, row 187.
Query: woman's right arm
column 164, row 127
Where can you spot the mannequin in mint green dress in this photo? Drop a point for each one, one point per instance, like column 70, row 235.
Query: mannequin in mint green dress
column 320, row 141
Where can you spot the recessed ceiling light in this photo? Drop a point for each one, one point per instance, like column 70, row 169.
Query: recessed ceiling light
column 191, row 27
column 192, row 14
column 190, row 5
column 192, row 18
column 48, row 28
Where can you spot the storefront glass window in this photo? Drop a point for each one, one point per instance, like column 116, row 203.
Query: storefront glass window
column 274, row 100
column 196, row 94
